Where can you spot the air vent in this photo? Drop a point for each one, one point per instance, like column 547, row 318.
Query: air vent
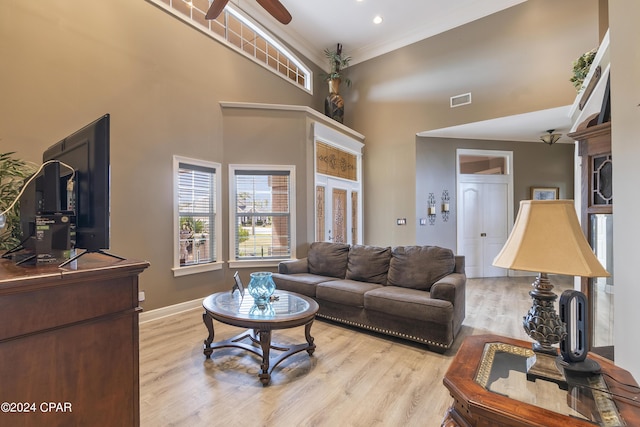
column 459, row 100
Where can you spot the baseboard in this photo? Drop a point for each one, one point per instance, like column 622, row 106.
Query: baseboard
column 159, row 313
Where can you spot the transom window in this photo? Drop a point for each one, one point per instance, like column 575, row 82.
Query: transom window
column 262, row 206
column 483, row 164
column 237, row 30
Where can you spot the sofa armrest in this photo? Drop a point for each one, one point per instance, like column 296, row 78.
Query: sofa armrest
column 293, row 266
column 450, row 288
column 459, row 268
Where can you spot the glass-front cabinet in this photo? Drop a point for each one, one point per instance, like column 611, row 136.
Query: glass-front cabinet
column 597, row 223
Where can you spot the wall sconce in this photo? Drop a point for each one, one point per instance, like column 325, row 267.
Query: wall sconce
column 550, row 137
column 445, row 205
column 431, row 209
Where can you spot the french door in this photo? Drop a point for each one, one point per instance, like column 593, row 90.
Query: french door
column 337, row 207
column 338, row 186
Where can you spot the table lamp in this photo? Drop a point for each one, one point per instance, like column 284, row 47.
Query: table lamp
column 547, row 238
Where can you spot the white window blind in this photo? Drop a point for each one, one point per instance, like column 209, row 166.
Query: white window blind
column 196, row 214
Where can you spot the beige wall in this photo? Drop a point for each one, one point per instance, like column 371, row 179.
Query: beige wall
column 277, row 137
column 516, row 61
column 624, row 16
column 534, row 165
column 66, row 63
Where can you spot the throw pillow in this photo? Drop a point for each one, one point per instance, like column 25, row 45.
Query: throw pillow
column 328, row 259
column 368, row 264
column 419, row 267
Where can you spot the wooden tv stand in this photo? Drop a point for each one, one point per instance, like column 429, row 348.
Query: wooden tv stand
column 69, row 343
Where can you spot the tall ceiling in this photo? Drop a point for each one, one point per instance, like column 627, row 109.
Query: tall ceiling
column 321, row 24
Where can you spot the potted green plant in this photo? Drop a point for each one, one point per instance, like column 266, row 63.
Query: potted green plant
column 12, row 175
column 581, row 68
column 337, row 62
column 334, row 104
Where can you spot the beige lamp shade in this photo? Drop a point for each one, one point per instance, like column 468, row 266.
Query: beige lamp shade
column 547, row 238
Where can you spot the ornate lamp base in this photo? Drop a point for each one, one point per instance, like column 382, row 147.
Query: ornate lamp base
column 543, row 365
column 543, row 325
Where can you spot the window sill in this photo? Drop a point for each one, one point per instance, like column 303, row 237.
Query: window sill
column 195, row 269
column 255, row 263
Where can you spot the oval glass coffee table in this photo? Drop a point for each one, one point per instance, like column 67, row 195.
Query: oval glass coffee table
column 287, row 310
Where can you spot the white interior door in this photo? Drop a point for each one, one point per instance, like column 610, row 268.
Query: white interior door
column 470, row 206
column 496, row 229
column 485, row 210
column 484, row 226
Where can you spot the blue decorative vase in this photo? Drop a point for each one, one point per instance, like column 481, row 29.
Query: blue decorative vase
column 261, row 287
column 263, row 310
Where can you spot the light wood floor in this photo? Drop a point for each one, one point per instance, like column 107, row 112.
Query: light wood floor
column 353, row 379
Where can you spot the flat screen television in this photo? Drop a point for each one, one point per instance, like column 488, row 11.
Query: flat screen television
column 87, row 151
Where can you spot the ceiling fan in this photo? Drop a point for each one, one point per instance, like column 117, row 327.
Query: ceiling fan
column 274, row 7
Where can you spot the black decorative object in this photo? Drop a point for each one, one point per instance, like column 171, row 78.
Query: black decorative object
column 574, row 346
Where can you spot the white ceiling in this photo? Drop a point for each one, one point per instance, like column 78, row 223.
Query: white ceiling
column 522, row 127
column 321, row 24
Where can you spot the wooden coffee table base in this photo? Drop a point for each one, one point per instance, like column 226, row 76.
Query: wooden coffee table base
column 259, row 343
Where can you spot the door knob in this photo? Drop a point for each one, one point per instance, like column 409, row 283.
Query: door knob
column 483, row 234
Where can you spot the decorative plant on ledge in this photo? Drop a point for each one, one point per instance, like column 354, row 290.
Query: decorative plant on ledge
column 12, row 175
column 334, row 104
column 581, row 68
column 337, row 62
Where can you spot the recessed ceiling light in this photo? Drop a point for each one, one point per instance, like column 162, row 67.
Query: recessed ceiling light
column 377, row 19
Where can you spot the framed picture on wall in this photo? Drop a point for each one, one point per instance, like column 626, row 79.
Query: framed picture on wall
column 545, row 193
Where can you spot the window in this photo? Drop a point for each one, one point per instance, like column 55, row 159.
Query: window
column 483, row 164
column 196, row 221
column 235, row 29
column 262, row 207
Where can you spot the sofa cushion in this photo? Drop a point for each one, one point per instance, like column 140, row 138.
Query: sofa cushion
column 368, row 264
column 418, row 267
column 328, row 259
column 301, row 283
column 347, row 292
column 409, row 303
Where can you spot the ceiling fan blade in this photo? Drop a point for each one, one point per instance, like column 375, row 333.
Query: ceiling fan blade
column 216, row 9
column 276, row 9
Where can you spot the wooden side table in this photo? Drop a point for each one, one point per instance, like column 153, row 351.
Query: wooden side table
column 487, row 380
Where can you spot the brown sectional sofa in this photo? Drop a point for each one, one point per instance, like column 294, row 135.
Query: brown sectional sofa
column 413, row 292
